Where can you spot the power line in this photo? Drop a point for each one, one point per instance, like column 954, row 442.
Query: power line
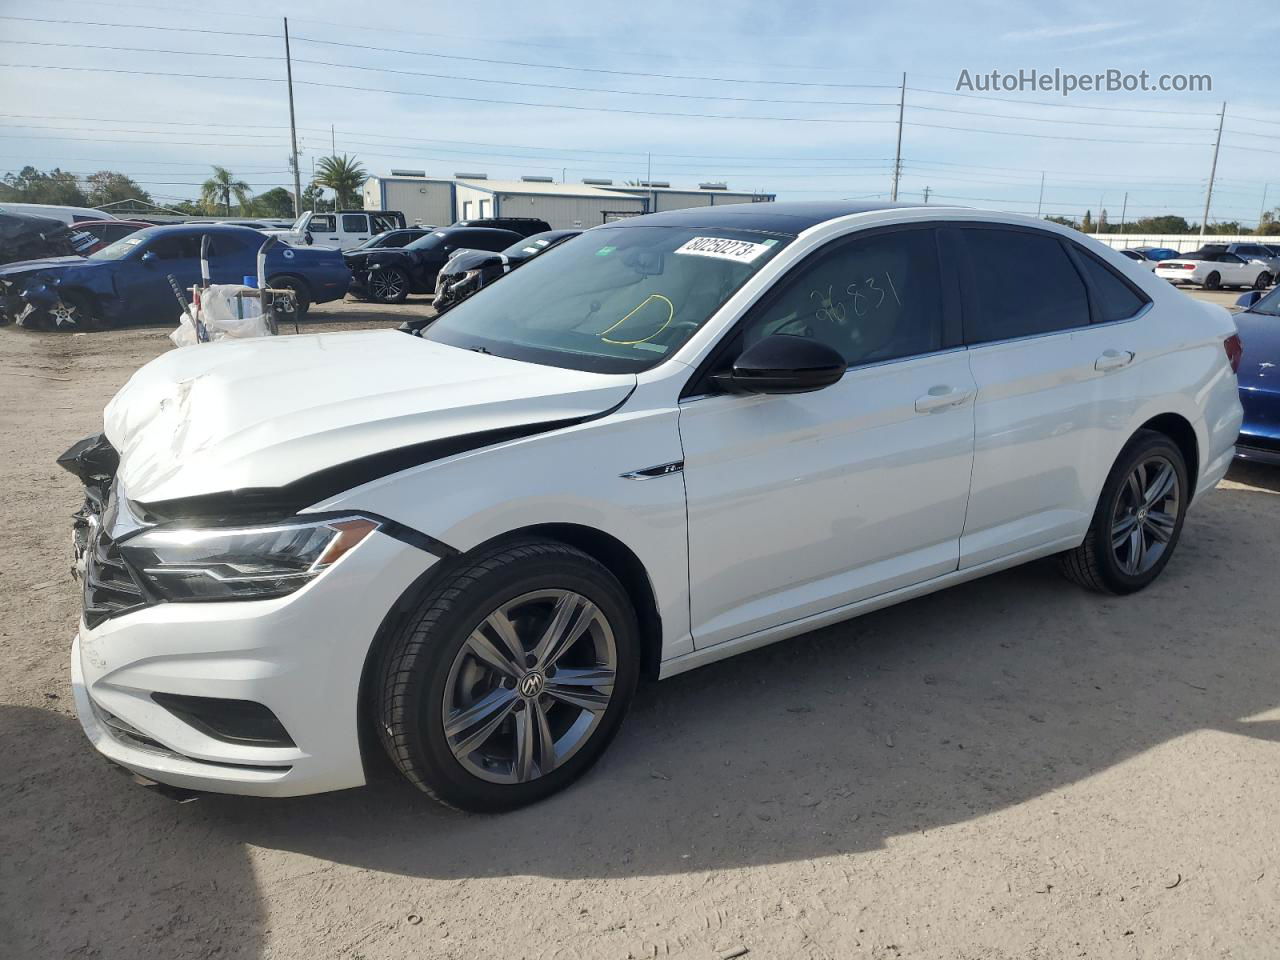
column 1054, row 103
column 1047, row 136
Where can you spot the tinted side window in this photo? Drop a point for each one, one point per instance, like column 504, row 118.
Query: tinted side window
column 176, row 248
column 355, row 223
column 1113, row 299
column 1021, row 284
column 486, row 241
column 872, row 299
column 325, row 223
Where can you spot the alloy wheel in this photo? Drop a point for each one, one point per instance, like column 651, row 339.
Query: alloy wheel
column 1145, row 516
column 529, row 686
column 387, row 284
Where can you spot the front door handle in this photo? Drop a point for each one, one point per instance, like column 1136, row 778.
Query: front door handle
column 941, row 398
column 1113, row 360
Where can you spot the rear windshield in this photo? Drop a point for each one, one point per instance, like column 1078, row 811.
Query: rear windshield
column 612, row 300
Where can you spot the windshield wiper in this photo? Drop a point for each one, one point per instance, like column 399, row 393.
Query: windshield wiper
column 480, row 350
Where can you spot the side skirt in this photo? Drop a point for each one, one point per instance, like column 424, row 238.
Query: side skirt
column 784, row 631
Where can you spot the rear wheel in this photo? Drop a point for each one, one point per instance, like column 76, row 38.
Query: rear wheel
column 388, row 285
column 1213, row 281
column 511, row 678
column 1138, row 519
column 301, row 295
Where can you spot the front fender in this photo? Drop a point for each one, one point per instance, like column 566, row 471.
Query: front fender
column 571, row 476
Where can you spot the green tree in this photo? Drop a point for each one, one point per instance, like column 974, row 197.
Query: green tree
column 313, row 199
column 1166, row 223
column 276, row 202
column 1087, row 225
column 1065, row 221
column 33, row 186
column 1270, row 223
column 344, row 176
column 220, row 188
column 108, row 186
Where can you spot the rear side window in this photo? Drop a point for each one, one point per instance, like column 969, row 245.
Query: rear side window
column 355, row 223
column 1113, row 299
column 872, row 299
column 1021, row 284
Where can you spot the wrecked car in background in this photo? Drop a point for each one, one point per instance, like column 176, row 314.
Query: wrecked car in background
column 128, row 281
column 27, row 237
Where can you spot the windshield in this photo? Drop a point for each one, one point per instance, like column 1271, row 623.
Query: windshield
column 613, row 300
column 1268, row 305
column 120, row 249
column 300, row 223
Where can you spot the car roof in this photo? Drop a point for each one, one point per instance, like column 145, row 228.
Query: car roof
column 789, row 217
column 456, row 229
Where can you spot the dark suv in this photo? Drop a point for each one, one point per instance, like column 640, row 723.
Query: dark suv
column 388, row 275
column 525, row 226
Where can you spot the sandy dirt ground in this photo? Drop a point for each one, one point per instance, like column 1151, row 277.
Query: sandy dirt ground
column 1009, row 769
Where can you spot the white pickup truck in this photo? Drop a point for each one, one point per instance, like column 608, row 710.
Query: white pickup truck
column 344, row 229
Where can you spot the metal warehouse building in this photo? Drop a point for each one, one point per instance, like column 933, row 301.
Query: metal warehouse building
column 440, row 201
column 422, row 199
column 562, row 205
column 662, row 196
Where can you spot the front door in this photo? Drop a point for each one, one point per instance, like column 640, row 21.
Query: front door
column 799, row 504
column 142, row 281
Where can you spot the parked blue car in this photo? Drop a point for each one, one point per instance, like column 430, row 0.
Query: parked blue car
column 127, row 282
column 1259, row 375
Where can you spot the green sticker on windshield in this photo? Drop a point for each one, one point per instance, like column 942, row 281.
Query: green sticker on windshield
column 605, row 251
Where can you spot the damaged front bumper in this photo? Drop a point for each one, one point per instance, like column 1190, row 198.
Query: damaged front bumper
column 35, row 304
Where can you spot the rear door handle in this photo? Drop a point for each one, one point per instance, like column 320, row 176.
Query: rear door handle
column 941, row 398
column 1113, row 360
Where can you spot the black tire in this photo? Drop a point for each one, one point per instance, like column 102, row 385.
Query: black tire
column 1213, row 281
column 1096, row 563
column 1263, row 281
column 415, row 669
column 301, row 293
column 388, row 285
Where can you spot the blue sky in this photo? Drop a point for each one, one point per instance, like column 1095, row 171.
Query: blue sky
column 833, row 69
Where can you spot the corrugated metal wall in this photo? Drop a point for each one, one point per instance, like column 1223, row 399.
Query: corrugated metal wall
column 679, row 201
column 566, row 212
column 421, row 201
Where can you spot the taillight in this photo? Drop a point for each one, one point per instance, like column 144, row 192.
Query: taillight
column 1235, row 350
column 1187, row 266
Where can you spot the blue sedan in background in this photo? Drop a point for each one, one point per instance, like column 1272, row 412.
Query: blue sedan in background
column 127, row 282
column 1259, row 375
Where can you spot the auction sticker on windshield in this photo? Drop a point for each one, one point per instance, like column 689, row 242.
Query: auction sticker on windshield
column 740, row 251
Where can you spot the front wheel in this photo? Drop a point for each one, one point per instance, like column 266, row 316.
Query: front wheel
column 1138, row 519
column 388, row 285
column 511, row 678
column 1262, row 281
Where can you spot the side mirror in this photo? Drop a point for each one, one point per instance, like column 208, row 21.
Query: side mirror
column 148, row 256
column 1247, row 300
column 783, row 364
column 310, row 239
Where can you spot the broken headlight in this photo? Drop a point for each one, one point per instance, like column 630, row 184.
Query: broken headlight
column 241, row 563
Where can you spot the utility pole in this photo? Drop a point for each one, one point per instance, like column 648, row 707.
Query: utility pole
column 648, row 175
column 1213, row 171
column 1040, row 202
column 926, row 195
column 293, row 128
column 333, row 142
column 897, row 157
column 1124, row 208
column 1263, row 212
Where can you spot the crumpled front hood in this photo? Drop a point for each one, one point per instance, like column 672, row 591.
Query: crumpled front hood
column 263, row 413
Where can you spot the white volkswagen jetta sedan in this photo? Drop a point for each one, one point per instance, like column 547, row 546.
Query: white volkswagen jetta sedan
column 670, row 440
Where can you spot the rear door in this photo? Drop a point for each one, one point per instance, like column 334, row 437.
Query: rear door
column 802, row 503
column 1055, row 356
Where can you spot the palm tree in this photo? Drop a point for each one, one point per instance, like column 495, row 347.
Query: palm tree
column 219, row 189
column 343, row 175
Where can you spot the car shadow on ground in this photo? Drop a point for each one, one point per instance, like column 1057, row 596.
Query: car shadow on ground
column 931, row 713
